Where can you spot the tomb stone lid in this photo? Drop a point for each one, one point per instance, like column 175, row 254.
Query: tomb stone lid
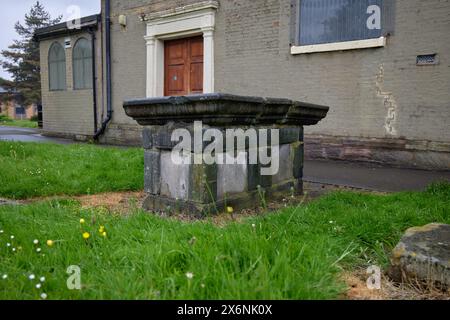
column 221, row 109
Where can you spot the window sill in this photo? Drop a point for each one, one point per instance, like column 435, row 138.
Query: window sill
column 340, row 46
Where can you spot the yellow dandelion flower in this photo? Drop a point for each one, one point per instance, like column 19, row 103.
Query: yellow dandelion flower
column 50, row 243
column 82, row 221
column 86, row 235
column 230, row 210
column 104, row 234
column 102, row 229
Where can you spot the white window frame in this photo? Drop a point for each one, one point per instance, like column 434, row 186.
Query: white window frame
column 335, row 46
column 191, row 20
column 340, row 46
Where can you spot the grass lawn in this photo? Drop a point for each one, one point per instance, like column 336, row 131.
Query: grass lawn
column 4, row 121
column 298, row 253
column 33, row 170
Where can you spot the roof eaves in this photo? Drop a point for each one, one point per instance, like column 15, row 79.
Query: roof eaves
column 63, row 28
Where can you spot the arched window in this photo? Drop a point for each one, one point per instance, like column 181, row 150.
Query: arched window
column 82, row 64
column 57, row 67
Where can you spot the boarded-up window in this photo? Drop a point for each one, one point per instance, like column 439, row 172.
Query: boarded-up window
column 82, row 64
column 57, row 67
column 329, row 21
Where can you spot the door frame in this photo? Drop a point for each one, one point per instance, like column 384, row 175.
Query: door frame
column 189, row 21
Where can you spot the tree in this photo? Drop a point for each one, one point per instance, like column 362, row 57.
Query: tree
column 22, row 60
column 5, row 83
column 7, row 86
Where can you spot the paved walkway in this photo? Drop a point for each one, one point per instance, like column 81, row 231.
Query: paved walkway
column 371, row 177
column 28, row 135
column 356, row 175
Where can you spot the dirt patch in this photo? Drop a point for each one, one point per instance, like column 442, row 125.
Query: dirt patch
column 312, row 191
column 125, row 202
column 117, row 202
column 358, row 289
column 120, row 202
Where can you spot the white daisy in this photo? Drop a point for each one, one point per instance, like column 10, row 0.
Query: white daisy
column 190, row 275
column 43, row 296
column 42, row 279
column 38, row 286
column 31, row 277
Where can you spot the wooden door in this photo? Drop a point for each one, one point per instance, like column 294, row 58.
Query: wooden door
column 183, row 66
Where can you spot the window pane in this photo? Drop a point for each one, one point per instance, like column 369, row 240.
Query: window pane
column 87, row 73
column 77, row 74
column 53, row 76
column 82, row 64
column 62, row 75
column 20, row 111
column 57, row 67
column 328, row 21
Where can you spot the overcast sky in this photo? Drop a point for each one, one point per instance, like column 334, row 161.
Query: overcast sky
column 14, row 10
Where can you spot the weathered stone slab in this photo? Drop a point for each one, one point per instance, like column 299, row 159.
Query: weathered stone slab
column 152, row 174
column 423, row 254
column 219, row 109
column 298, row 152
column 203, row 183
column 174, row 177
column 232, row 178
column 255, row 179
column 147, row 138
column 159, row 137
column 286, row 169
column 290, row 135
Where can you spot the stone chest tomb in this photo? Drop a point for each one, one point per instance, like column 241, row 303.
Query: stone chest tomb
column 256, row 147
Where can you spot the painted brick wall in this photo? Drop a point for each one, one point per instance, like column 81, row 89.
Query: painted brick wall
column 360, row 86
column 128, row 50
column 70, row 112
column 377, row 96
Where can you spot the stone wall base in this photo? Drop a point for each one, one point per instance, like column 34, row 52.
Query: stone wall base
column 402, row 153
column 174, row 183
column 122, row 135
column 71, row 136
column 245, row 200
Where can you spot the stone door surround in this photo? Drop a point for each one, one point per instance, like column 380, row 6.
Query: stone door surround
column 191, row 20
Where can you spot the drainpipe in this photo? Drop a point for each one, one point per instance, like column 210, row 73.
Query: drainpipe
column 94, row 78
column 108, row 70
